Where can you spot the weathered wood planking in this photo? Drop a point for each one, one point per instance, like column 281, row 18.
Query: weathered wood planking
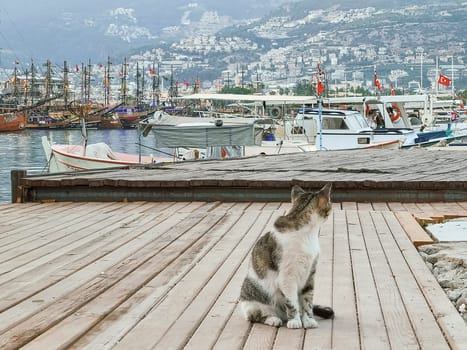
column 407, row 175
column 167, row 276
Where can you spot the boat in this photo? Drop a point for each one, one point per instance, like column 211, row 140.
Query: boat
column 12, row 121
column 41, row 121
column 63, row 158
column 334, row 129
column 233, row 136
column 410, row 114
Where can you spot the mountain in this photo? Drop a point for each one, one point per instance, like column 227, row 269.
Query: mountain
column 78, row 30
column 278, row 41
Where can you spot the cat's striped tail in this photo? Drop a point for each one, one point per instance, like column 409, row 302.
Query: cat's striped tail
column 323, row 311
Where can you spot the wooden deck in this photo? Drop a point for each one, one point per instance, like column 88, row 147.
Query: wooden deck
column 407, row 175
column 167, row 275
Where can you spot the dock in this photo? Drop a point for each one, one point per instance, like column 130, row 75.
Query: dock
column 108, row 270
column 408, row 175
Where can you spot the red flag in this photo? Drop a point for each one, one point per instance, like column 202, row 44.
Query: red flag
column 319, row 87
column 444, row 80
column 376, row 82
column 152, row 72
column 76, row 68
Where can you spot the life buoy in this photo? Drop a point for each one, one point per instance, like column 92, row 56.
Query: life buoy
column 396, row 113
column 276, row 112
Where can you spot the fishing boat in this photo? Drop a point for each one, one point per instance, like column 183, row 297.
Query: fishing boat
column 63, row 158
column 236, row 136
column 411, row 114
column 12, row 121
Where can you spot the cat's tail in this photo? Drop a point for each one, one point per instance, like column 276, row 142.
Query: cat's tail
column 323, row 311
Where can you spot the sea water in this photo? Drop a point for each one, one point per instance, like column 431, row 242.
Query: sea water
column 23, row 150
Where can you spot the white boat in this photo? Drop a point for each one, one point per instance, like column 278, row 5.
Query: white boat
column 331, row 129
column 411, row 114
column 236, row 136
column 62, row 158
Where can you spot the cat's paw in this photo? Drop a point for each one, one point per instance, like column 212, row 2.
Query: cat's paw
column 309, row 322
column 294, row 323
column 273, row 321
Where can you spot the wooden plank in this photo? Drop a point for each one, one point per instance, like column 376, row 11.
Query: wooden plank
column 65, row 297
column 349, row 205
column 423, row 322
column 372, row 328
column 182, row 329
column 414, row 231
column 261, row 337
column 345, row 325
column 364, row 206
column 380, row 206
column 216, row 320
column 321, row 338
column 21, row 228
column 289, row 339
column 396, row 206
column 90, row 314
column 447, row 317
column 48, row 272
column 235, row 332
column 170, row 309
column 397, row 323
column 57, row 243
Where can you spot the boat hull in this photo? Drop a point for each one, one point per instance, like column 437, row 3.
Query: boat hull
column 13, row 121
column 63, row 158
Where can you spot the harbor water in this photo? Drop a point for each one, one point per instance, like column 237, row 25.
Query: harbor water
column 23, row 150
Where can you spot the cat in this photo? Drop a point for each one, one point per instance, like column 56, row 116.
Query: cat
column 279, row 285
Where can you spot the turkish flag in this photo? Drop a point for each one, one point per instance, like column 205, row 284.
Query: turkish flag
column 444, row 80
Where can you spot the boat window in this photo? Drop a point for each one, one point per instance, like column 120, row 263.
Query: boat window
column 334, row 123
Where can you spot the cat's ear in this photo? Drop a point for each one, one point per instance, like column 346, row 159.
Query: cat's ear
column 296, row 192
column 326, row 190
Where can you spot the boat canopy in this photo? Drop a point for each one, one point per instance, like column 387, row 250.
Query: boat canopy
column 205, row 135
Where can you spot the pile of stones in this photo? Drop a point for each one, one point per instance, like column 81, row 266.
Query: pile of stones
column 448, row 263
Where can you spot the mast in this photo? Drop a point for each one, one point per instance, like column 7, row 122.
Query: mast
column 123, row 88
column 83, row 83
column 107, row 83
column 48, row 80
column 26, row 82
column 33, row 82
column 88, row 82
column 66, row 83
column 138, row 86
column 15, row 83
column 158, row 82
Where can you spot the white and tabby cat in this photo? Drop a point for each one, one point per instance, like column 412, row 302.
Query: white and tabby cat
column 279, row 285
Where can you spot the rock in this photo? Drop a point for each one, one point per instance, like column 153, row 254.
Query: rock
column 448, row 263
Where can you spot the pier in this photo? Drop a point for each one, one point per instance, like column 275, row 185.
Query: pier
column 153, row 258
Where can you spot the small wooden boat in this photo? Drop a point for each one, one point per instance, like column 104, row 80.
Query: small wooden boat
column 63, row 158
